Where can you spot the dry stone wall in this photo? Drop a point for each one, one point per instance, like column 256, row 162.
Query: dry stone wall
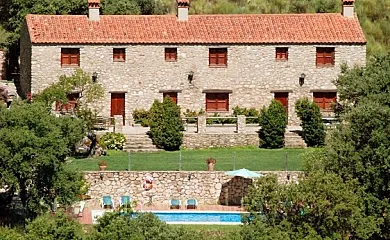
column 210, row 140
column 206, row 187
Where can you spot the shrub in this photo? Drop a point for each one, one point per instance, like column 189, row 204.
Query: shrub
column 113, row 141
column 165, row 125
column 313, row 129
column 251, row 112
column 273, row 122
column 141, row 116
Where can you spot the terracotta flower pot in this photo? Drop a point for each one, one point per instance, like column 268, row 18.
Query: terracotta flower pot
column 210, row 166
column 102, row 168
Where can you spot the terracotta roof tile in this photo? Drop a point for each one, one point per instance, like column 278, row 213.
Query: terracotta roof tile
column 217, row 29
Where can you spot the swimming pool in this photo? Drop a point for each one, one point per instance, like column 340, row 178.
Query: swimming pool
column 199, row 217
column 189, row 217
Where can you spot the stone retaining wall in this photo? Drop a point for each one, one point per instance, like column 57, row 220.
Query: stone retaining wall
column 206, row 187
column 210, row 140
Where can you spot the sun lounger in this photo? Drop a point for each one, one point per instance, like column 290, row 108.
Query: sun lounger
column 191, row 203
column 107, row 202
column 124, row 200
column 175, row 204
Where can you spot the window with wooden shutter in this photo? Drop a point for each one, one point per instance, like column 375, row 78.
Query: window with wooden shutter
column 119, row 54
column 70, row 57
column 325, row 56
column 218, row 57
column 282, row 97
column 172, row 95
column 217, row 102
column 70, row 105
column 281, row 53
column 170, row 54
column 325, row 100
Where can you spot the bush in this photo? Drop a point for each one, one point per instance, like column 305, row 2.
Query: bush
column 251, row 112
column 165, row 125
column 273, row 122
column 313, row 129
column 113, row 141
column 141, row 116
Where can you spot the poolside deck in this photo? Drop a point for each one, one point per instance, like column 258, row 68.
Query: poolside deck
column 86, row 216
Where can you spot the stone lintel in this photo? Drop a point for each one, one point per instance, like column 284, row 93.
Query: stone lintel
column 323, row 90
column 279, row 91
column 217, row 91
column 117, row 91
column 169, row 90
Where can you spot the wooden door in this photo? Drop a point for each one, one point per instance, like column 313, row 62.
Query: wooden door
column 118, row 105
column 282, row 97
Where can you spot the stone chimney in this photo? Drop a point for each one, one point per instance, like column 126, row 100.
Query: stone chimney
column 348, row 8
column 182, row 10
column 93, row 10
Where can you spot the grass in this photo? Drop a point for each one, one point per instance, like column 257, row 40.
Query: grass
column 255, row 159
column 211, row 230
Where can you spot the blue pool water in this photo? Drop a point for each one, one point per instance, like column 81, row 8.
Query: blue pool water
column 199, row 217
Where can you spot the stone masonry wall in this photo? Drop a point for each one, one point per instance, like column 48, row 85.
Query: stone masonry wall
column 206, row 187
column 210, row 140
column 252, row 73
column 2, row 64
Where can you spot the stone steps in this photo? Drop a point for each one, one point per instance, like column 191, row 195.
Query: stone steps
column 293, row 140
column 139, row 143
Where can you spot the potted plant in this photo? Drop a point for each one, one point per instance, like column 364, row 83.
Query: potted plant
column 210, row 163
column 102, row 165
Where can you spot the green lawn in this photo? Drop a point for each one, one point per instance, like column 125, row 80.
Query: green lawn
column 194, row 160
column 211, row 230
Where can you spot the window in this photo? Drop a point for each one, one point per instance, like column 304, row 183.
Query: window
column 119, row 54
column 70, row 105
column 282, row 97
column 325, row 56
column 324, row 100
column 281, row 53
column 170, row 54
column 172, row 95
column 218, row 57
column 217, row 101
column 70, row 57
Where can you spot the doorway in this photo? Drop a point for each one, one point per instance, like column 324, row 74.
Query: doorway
column 118, row 105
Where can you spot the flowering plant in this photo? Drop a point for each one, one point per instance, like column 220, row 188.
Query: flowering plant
column 113, row 141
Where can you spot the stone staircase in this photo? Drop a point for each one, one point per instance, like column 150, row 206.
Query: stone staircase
column 139, row 143
column 293, row 140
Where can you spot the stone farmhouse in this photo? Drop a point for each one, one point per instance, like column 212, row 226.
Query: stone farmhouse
column 209, row 62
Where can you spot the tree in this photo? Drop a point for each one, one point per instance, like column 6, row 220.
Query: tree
column 321, row 206
column 165, row 124
column 118, row 226
column 54, row 227
column 313, row 128
column 89, row 92
column 359, row 148
column 273, row 122
column 10, row 234
column 34, row 148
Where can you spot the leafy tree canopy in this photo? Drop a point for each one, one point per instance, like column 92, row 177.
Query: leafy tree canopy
column 34, row 145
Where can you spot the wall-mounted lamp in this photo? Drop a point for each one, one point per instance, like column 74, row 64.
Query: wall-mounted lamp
column 302, row 79
column 101, row 176
column 190, row 76
column 288, row 176
column 94, row 76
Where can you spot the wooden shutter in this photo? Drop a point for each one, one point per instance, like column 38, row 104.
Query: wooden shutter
column 325, row 56
column 218, row 56
column 172, row 95
column 217, row 102
column 119, row 54
column 70, row 56
column 281, row 53
column 170, row 54
column 324, row 100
